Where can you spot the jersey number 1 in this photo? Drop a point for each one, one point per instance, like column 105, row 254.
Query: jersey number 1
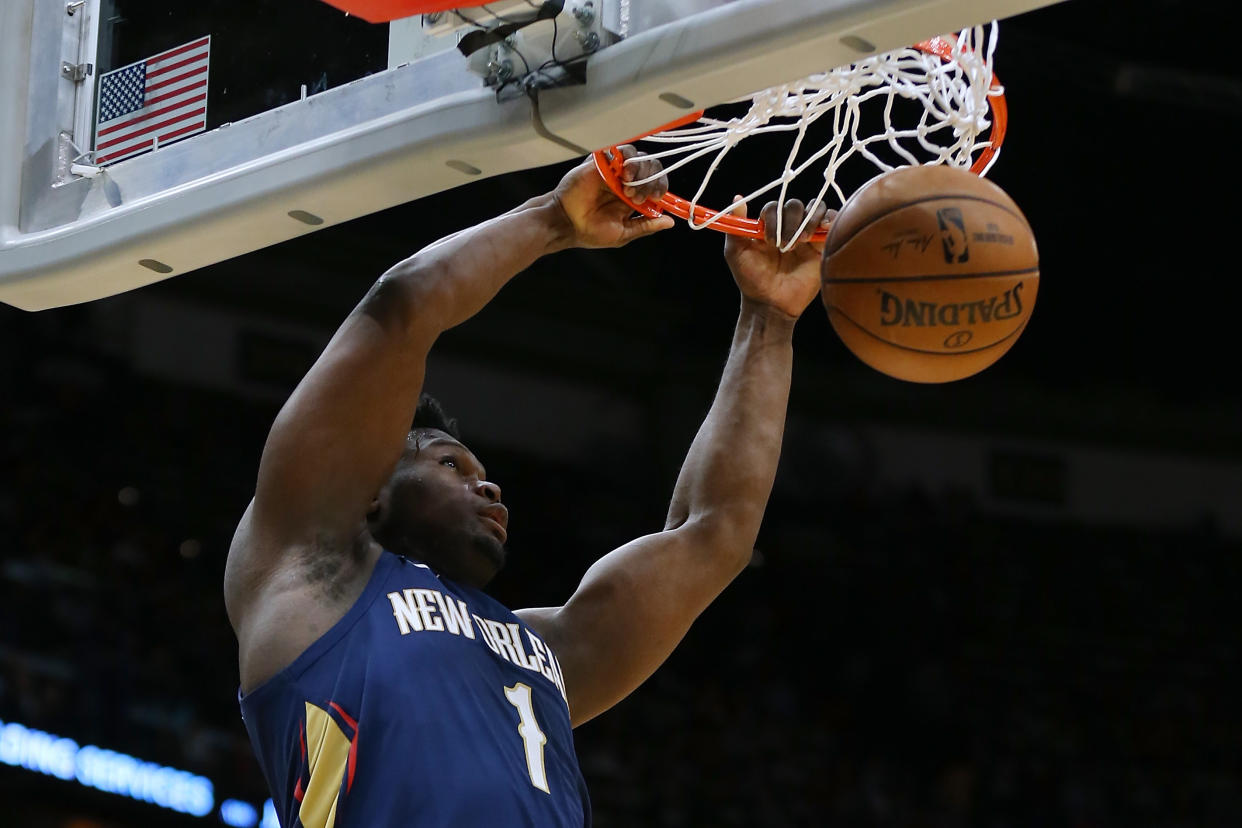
column 532, row 737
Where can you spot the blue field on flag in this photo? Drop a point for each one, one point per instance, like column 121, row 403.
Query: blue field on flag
column 152, row 102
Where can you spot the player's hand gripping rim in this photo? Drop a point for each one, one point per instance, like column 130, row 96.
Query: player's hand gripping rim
column 784, row 280
column 598, row 217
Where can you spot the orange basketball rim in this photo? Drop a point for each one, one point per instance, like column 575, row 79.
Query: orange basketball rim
column 610, row 163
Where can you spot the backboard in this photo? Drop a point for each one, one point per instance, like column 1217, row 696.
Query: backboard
column 264, row 120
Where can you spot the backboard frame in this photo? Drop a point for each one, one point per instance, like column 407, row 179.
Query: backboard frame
column 418, row 128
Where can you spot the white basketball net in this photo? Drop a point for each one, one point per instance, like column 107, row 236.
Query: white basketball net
column 955, row 113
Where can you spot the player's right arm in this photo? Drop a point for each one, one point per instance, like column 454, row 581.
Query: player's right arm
column 341, row 432
column 339, row 435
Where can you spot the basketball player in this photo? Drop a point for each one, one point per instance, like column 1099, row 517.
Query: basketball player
column 380, row 685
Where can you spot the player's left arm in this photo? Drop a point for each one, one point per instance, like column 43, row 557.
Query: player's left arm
column 635, row 604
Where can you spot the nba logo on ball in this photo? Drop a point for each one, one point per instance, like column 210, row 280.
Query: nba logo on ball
column 924, row 312
column 953, row 235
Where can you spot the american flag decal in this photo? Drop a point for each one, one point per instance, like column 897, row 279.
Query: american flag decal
column 152, row 102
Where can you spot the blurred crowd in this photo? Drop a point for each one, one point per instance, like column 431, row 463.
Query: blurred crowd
column 925, row 666
column 889, row 659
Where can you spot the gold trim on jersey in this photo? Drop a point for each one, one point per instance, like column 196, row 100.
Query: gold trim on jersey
column 327, row 755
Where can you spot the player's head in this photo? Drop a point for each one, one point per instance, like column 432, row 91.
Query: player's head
column 438, row 506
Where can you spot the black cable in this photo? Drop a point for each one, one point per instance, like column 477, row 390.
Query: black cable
column 530, row 80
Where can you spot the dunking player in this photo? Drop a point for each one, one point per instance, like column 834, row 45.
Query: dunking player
column 380, row 685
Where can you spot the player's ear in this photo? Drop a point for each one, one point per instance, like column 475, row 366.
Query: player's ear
column 377, row 511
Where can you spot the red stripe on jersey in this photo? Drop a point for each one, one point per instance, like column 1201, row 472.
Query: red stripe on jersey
column 349, row 720
column 353, row 744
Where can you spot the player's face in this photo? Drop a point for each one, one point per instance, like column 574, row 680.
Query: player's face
column 438, row 507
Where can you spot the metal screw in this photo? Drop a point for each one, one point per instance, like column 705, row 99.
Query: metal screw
column 72, row 8
column 585, row 13
column 588, row 40
column 500, row 70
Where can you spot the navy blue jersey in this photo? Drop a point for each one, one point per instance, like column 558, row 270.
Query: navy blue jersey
column 428, row 704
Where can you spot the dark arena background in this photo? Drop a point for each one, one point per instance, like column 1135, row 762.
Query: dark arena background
column 1003, row 602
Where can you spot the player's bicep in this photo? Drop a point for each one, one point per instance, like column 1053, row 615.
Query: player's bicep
column 630, row 611
column 338, row 436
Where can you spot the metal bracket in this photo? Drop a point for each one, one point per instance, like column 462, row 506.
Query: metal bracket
column 76, row 72
column 72, row 163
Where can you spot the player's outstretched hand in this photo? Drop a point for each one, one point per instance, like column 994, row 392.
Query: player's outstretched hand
column 787, row 281
column 599, row 218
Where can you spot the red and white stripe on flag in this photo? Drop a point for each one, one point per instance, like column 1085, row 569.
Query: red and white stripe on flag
column 152, row 102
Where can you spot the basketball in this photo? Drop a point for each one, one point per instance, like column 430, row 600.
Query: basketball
column 929, row 273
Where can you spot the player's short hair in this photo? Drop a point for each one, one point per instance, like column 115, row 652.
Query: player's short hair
column 431, row 414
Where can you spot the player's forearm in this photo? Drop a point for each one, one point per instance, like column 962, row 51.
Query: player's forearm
column 727, row 476
column 449, row 281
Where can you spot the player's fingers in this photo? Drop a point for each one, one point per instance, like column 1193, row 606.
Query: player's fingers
column 769, row 215
column 642, row 168
column 816, row 221
column 734, row 243
column 632, row 161
column 640, row 226
column 825, row 224
column 792, row 214
column 627, row 151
